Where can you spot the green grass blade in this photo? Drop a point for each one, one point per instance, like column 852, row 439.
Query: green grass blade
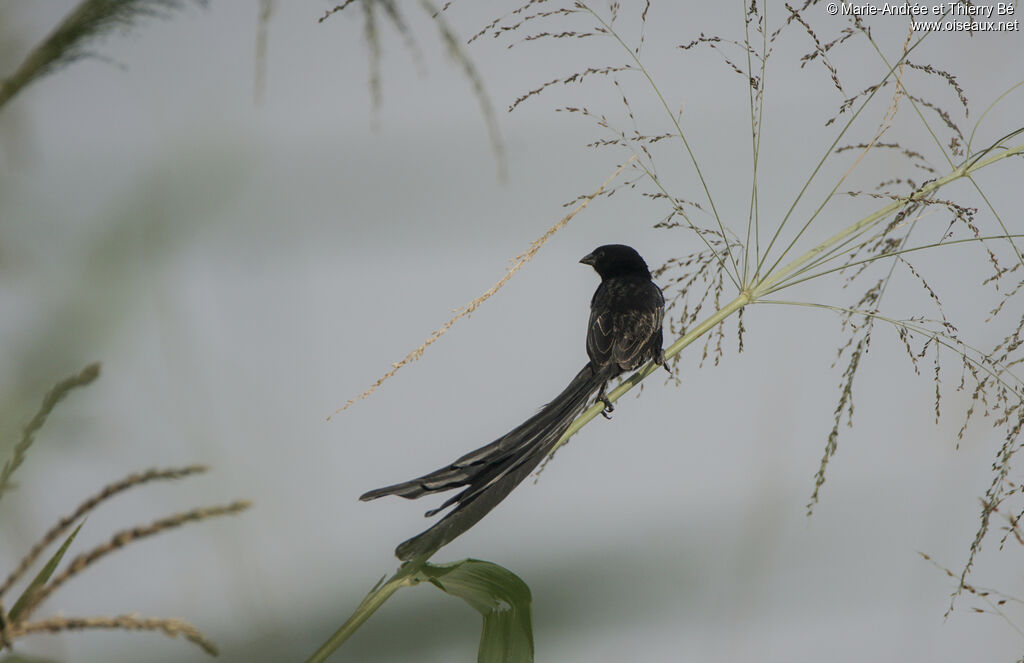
column 44, row 574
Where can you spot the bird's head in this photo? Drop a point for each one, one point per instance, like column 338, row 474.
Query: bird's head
column 613, row 260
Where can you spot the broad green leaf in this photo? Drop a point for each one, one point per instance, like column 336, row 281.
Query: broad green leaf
column 500, row 596
column 41, row 577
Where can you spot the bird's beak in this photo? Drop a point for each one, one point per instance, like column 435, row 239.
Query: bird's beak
column 588, row 259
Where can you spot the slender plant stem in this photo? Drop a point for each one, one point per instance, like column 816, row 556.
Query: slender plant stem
column 678, row 208
column 735, row 275
column 406, row 575
column 636, row 378
column 770, row 283
column 848, row 247
column 892, row 254
column 776, row 276
column 970, row 140
column 753, row 146
column 756, row 126
column 945, row 340
column 821, row 163
column 949, row 159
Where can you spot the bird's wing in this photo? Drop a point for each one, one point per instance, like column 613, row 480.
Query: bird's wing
column 624, row 335
column 632, row 342
column 601, row 336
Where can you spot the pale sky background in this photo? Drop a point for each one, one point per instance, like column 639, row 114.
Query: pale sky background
column 243, row 269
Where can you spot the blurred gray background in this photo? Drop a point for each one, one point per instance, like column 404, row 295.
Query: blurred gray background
column 243, row 269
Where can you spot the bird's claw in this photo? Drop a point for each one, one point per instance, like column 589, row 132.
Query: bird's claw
column 608, row 407
column 664, row 363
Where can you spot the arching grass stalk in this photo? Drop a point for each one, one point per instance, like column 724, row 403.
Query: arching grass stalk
column 893, row 73
column 405, row 576
column 891, row 254
column 945, row 153
column 945, row 340
column 735, row 273
column 775, row 280
column 756, row 127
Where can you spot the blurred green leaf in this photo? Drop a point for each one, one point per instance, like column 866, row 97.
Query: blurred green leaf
column 43, row 575
column 501, row 597
column 70, row 39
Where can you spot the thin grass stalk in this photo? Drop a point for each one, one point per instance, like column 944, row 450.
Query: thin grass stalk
column 735, row 274
column 124, row 538
column 945, row 340
column 52, row 398
column 754, row 217
column 828, row 152
column 169, row 627
column 769, row 282
column 775, row 277
column 109, row 491
column 892, row 254
column 374, row 600
column 945, row 154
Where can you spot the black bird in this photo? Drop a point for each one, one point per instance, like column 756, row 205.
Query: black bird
column 624, row 333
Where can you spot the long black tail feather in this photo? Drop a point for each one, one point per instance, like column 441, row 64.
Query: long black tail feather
column 491, row 472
